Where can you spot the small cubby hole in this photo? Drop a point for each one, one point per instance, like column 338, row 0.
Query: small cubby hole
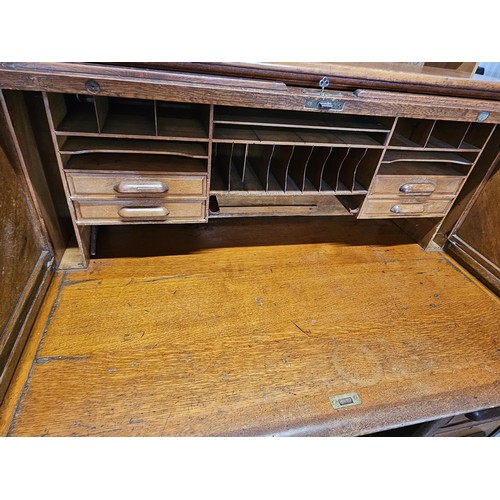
column 440, row 134
column 75, row 114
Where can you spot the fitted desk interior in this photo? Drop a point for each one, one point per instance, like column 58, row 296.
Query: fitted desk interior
column 259, row 250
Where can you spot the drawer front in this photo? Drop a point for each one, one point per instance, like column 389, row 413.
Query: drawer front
column 121, row 185
column 414, row 186
column 398, row 207
column 147, row 211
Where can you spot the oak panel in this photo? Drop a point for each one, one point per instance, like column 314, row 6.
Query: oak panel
column 246, row 338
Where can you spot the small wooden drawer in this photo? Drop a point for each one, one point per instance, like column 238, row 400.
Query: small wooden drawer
column 147, row 211
column 136, row 185
column 405, row 185
column 399, row 207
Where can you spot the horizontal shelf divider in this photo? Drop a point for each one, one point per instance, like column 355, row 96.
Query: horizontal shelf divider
column 296, row 137
column 136, row 163
column 84, row 145
column 421, row 169
column 394, row 156
column 296, row 119
column 131, row 136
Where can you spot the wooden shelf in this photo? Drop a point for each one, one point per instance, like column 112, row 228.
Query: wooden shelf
column 83, row 145
column 179, row 127
column 296, row 119
column 135, row 163
column 306, row 137
column 400, row 142
column 81, row 121
column 395, row 156
column 419, row 168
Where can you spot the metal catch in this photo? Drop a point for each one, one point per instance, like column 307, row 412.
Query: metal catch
column 325, row 104
column 344, row 400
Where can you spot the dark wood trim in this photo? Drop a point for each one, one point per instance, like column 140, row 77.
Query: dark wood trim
column 484, row 270
column 23, row 317
column 150, row 84
column 23, row 137
column 476, row 194
column 13, row 150
column 341, row 76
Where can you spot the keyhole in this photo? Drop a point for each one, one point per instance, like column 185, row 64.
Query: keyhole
column 92, row 86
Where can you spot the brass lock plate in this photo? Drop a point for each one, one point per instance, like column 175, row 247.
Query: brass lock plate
column 345, row 400
column 324, row 104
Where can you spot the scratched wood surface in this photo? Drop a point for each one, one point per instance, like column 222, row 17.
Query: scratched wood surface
column 249, row 338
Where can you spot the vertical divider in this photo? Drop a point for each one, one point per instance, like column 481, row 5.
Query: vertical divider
column 101, row 106
column 388, row 135
column 229, row 164
column 238, row 158
column 333, row 165
column 224, row 153
column 298, row 165
column 155, row 110
column 353, row 183
column 463, row 137
column 260, row 156
column 431, row 129
column 56, row 105
column 348, row 168
column 82, row 233
column 478, row 134
column 210, row 146
column 366, row 168
column 316, row 165
column 280, row 162
column 243, row 173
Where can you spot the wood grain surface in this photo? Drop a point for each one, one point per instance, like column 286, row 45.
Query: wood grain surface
column 386, row 76
column 165, row 85
column 244, row 331
column 19, row 241
column 480, row 226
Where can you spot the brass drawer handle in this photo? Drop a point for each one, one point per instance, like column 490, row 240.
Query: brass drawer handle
column 418, row 188
column 125, row 187
column 408, row 208
column 142, row 212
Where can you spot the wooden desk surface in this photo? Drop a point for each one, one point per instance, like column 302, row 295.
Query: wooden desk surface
column 248, row 327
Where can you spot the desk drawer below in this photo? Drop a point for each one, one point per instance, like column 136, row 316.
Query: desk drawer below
column 146, row 211
column 137, row 185
column 399, row 207
column 405, row 185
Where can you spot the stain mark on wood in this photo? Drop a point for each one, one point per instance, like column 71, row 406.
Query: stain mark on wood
column 48, row 359
column 78, row 282
column 136, row 421
column 166, row 278
column 306, row 332
column 259, row 301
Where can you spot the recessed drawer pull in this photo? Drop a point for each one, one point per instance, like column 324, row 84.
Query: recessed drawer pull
column 142, row 212
column 418, row 188
column 141, row 187
column 407, row 208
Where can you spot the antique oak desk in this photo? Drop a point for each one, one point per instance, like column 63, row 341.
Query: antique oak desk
column 274, row 244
